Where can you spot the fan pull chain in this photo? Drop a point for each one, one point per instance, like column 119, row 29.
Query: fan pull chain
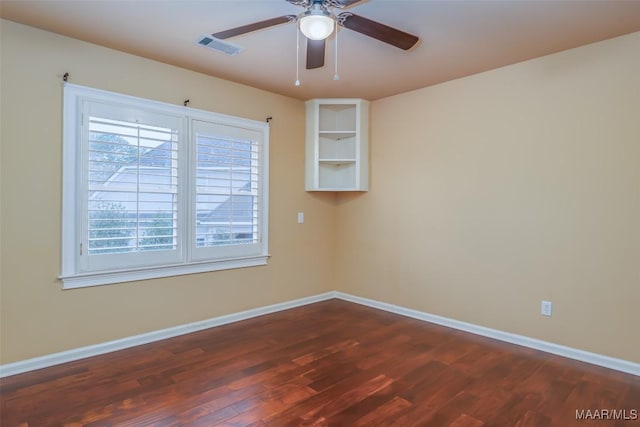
column 297, row 56
column 336, row 76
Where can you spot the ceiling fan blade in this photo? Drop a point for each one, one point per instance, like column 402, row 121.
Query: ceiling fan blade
column 303, row 3
column 315, row 54
column 377, row 30
column 335, row 3
column 254, row 27
column 347, row 3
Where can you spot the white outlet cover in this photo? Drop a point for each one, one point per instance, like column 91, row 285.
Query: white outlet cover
column 546, row 308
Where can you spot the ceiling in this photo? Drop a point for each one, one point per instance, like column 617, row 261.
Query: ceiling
column 457, row 37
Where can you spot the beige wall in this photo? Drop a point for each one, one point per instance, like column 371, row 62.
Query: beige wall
column 493, row 192
column 37, row 317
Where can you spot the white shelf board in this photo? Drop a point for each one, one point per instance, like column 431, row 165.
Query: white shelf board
column 337, row 161
column 337, row 134
column 338, row 189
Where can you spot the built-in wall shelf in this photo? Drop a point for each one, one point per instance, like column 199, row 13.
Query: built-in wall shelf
column 337, row 145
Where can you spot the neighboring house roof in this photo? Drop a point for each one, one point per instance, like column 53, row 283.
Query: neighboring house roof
column 156, row 165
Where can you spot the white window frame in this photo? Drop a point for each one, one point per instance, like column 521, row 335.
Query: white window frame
column 187, row 259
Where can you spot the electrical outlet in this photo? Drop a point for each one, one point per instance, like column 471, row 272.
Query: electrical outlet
column 546, row 308
column 300, row 217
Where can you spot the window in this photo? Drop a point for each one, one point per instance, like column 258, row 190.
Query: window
column 154, row 190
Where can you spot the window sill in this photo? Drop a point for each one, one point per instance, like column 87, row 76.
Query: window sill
column 84, row 280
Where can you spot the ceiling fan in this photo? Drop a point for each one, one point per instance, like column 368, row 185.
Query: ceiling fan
column 318, row 22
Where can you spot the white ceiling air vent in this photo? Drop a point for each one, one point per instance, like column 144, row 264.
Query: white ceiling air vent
column 219, row 45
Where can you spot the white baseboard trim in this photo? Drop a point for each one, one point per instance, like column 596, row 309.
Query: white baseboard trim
column 107, row 347
column 548, row 347
column 120, row 344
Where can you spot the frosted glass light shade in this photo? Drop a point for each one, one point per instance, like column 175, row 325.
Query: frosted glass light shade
column 316, row 26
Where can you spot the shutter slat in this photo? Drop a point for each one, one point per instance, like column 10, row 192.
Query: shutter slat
column 132, row 187
column 226, row 211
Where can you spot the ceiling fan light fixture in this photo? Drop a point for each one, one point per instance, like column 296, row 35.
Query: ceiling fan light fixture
column 316, row 24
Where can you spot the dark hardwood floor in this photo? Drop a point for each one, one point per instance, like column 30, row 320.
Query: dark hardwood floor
column 327, row 364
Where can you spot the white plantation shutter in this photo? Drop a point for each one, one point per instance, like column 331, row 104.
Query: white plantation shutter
column 132, row 185
column 155, row 190
column 227, row 202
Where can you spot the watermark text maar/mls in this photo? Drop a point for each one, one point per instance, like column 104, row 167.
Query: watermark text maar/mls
column 607, row 414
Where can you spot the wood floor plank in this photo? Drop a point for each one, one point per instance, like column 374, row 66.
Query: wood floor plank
column 383, row 414
column 465, row 420
column 331, row 363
